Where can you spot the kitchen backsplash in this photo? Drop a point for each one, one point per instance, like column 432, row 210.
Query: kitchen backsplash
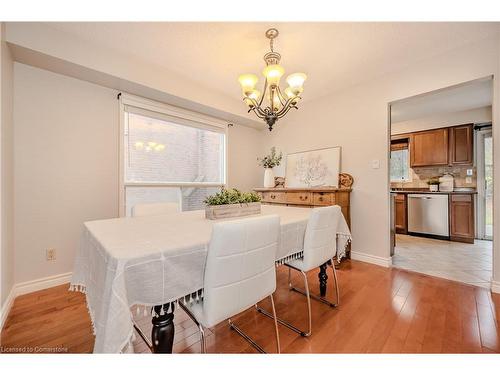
column 420, row 175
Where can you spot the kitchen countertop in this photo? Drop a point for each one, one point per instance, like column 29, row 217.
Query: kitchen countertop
column 405, row 191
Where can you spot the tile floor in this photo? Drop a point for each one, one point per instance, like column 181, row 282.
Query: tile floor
column 467, row 263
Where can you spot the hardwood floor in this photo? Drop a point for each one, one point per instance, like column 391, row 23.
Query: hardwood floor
column 382, row 311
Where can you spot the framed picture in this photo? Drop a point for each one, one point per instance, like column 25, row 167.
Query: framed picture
column 315, row 168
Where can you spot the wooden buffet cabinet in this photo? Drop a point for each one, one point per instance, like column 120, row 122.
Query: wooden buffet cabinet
column 309, row 198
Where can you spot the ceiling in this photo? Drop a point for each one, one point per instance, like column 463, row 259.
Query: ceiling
column 475, row 94
column 333, row 55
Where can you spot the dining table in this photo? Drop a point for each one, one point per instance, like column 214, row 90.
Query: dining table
column 153, row 262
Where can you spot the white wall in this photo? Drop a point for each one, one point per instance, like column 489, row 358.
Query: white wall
column 244, row 145
column 476, row 115
column 66, row 165
column 6, row 172
column 40, row 45
column 357, row 120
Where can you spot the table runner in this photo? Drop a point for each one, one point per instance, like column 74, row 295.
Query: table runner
column 153, row 260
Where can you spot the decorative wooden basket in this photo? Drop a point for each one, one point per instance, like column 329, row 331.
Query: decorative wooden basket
column 232, row 210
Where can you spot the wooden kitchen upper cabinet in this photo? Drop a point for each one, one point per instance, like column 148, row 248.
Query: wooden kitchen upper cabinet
column 462, row 218
column 429, row 148
column 461, row 145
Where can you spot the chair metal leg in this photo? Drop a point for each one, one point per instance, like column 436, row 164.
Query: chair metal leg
column 250, row 340
column 306, row 293
column 337, row 290
column 203, row 342
column 143, row 336
column 245, row 336
column 278, row 349
column 288, row 324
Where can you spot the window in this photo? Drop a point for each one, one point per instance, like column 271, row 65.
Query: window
column 169, row 155
column 400, row 166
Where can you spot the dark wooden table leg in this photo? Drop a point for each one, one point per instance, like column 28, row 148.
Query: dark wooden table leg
column 162, row 334
column 323, row 277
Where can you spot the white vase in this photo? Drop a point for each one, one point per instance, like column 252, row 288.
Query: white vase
column 268, row 178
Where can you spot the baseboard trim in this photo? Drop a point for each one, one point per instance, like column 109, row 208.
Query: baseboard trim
column 6, row 308
column 373, row 259
column 43, row 283
column 30, row 287
column 495, row 286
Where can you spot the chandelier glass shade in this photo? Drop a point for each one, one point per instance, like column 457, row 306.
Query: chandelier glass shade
column 272, row 104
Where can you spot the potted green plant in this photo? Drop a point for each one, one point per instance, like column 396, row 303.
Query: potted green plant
column 433, row 183
column 273, row 159
column 231, row 203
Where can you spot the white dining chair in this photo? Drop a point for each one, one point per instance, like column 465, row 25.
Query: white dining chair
column 151, row 209
column 320, row 243
column 239, row 272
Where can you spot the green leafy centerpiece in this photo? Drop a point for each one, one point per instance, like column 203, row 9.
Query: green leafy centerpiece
column 231, row 203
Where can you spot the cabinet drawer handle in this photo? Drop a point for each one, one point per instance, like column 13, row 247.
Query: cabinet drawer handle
column 320, row 199
column 273, row 196
column 302, row 198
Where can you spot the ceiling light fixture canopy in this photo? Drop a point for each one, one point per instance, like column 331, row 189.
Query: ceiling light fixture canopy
column 278, row 104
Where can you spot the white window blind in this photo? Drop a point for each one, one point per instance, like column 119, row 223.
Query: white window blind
column 170, row 157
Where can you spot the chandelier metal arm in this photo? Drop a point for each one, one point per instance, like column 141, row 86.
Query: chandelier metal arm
column 283, row 113
column 280, row 96
column 278, row 107
column 256, row 108
column 286, row 107
column 263, row 93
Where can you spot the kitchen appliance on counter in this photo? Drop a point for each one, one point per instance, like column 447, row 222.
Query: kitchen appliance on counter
column 446, row 183
column 428, row 215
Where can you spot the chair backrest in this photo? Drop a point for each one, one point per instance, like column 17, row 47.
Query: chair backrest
column 320, row 240
column 150, row 209
column 240, row 268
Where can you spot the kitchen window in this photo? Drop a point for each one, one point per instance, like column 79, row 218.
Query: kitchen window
column 169, row 155
column 400, row 162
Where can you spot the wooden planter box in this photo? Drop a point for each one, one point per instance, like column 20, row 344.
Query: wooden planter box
column 232, row 210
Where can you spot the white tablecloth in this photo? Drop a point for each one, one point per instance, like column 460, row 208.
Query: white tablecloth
column 153, row 260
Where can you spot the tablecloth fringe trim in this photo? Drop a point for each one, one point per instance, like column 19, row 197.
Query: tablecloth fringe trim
column 168, row 308
column 83, row 289
column 289, row 258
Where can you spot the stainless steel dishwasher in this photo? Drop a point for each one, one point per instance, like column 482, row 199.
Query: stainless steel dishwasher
column 428, row 214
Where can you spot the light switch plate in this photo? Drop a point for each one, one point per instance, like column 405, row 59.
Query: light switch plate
column 375, row 164
column 469, row 172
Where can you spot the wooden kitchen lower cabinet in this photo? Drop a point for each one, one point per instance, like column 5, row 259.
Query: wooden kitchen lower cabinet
column 462, row 218
column 400, row 215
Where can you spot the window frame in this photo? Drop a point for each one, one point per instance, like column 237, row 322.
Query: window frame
column 202, row 122
column 407, row 148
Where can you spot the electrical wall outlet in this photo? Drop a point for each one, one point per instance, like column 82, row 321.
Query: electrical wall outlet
column 51, row 254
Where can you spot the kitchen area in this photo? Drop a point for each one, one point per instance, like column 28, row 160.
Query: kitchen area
column 441, row 183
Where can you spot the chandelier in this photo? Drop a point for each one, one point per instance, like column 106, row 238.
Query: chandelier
column 278, row 104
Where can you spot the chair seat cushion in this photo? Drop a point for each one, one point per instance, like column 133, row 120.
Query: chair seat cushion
column 299, row 264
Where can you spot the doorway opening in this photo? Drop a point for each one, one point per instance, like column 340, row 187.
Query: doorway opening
column 441, row 183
